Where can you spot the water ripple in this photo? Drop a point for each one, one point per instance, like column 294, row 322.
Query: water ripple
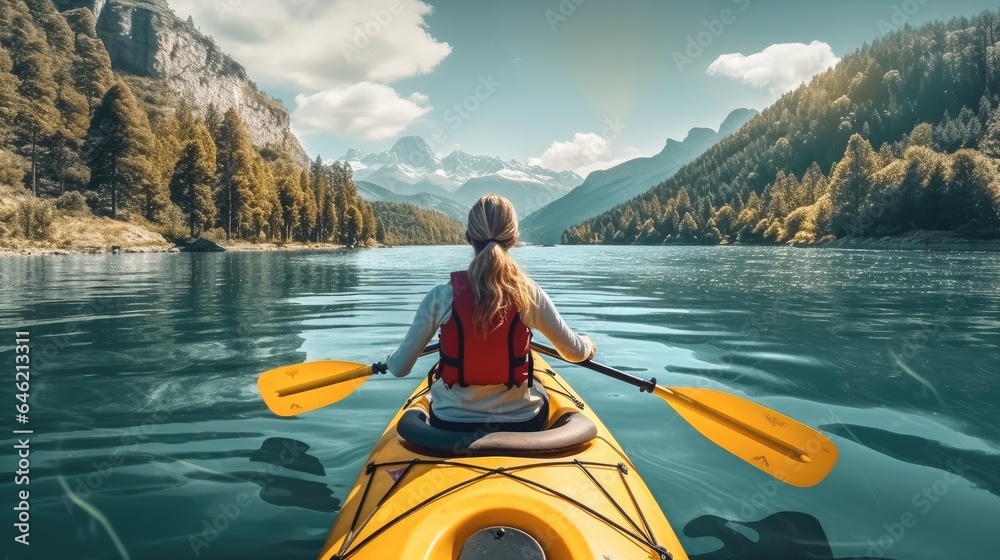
column 144, row 393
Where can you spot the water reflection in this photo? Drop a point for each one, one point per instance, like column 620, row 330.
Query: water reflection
column 786, row 535
column 290, row 454
column 978, row 467
column 280, row 490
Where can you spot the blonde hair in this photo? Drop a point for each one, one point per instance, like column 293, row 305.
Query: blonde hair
column 497, row 281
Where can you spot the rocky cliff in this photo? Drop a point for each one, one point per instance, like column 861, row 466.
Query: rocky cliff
column 145, row 38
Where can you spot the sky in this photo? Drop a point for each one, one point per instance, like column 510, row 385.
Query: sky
column 568, row 84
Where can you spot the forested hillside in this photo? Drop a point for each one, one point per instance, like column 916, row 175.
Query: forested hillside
column 73, row 131
column 401, row 223
column 902, row 135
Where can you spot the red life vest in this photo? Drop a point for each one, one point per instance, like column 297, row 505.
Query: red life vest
column 502, row 358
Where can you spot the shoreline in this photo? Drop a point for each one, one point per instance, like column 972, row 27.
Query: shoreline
column 920, row 240
column 239, row 247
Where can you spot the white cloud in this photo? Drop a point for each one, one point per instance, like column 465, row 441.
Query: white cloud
column 780, row 67
column 314, row 45
column 585, row 153
column 364, row 110
column 339, row 54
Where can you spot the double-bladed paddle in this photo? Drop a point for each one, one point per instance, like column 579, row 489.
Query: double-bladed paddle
column 774, row 443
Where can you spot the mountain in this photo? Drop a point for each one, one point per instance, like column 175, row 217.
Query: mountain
column 604, row 189
column 414, row 151
column 901, row 135
column 410, row 168
column 525, row 194
column 147, row 41
column 374, row 193
column 465, row 167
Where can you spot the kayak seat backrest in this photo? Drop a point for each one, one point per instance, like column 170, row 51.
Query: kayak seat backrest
column 568, row 432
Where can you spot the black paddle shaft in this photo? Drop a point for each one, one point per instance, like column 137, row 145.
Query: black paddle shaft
column 644, row 385
column 431, row 349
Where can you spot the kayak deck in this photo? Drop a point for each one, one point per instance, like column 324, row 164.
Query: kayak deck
column 585, row 502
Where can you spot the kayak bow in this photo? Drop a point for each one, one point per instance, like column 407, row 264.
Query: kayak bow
column 568, row 492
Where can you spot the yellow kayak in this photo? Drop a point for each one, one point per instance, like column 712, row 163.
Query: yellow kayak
column 568, row 492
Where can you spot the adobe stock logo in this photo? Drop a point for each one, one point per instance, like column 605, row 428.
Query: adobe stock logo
column 713, row 29
column 563, row 12
column 462, row 111
column 901, row 14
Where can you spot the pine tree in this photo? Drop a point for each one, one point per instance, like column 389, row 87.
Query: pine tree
column 92, row 72
column 32, row 64
column 10, row 100
column 813, row 186
column 922, row 189
column 152, row 195
column 342, row 184
column 263, row 213
column 200, row 133
column 350, row 229
column 291, row 199
column 307, row 210
column 58, row 161
column 973, row 191
column 118, row 148
column 12, row 168
column 688, row 229
column 782, row 197
column 61, row 162
column 990, row 142
column 370, row 224
column 752, row 211
column 321, row 195
column 169, row 145
column 236, row 167
column 64, row 163
column 725, row 221
column 922, row 135
column 850, row 182
column 683, row 202
column 193, row 182
column 328, row 222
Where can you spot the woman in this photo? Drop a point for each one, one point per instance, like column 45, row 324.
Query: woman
column 485, row 315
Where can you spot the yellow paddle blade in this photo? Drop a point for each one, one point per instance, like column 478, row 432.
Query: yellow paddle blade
column 299, row 388
column 774, row 443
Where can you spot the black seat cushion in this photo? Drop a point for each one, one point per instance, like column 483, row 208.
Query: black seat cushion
column 568, row 432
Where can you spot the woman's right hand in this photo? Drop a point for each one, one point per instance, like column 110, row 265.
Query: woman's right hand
column 593, row 347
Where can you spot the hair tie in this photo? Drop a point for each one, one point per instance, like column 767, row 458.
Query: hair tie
column 480, row 245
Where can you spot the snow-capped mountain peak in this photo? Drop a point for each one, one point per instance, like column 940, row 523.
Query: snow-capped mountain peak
column 354, row 154
column 463, row 166
column 410, row 166
column 414, row 152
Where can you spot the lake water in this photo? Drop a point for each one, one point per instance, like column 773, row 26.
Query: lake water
column 148, row 423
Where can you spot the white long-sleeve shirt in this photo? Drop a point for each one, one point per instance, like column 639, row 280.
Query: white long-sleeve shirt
column 484, row 403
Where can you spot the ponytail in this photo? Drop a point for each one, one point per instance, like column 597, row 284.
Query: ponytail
column 497, row 281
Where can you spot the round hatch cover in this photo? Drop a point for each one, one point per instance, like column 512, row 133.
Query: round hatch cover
column 501, row 543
